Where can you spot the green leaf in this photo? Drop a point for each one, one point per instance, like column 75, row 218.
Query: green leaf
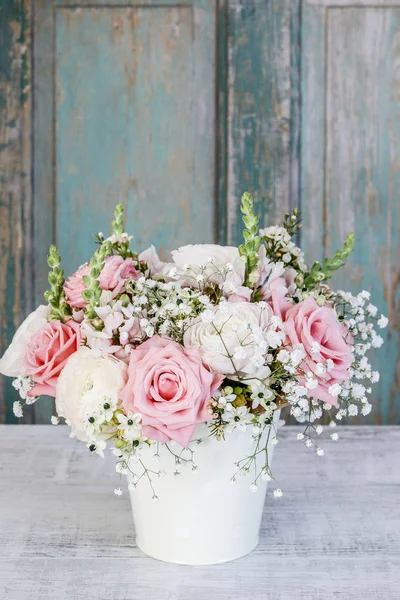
column 87, row 295
column 55, row 296
column 319, row 273
column 249, row 250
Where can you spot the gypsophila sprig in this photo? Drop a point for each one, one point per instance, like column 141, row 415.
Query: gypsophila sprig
column 280, row 248
column 56, row 296
column 169, row 365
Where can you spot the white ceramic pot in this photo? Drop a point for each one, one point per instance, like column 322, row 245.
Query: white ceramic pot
column 201, row 517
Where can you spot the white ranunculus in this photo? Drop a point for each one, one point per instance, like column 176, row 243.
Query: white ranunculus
column 216, row 264
column 88, row 380
column 232, row 337
column 12, row 362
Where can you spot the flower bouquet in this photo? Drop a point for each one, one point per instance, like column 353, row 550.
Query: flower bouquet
column 181, row 369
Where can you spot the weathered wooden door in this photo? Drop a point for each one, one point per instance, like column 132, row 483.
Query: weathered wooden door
column 175, row 108
column 124, row 112
column 350, row 153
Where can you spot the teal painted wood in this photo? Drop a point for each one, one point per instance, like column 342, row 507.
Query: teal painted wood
column 221, row 123
column 125, row 112
column 15, row 204
column 258, row 124
column 350, row 154
column 133, row 104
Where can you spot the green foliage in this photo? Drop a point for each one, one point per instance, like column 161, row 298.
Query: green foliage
column 249, row 250
column 121, row 244
column 292, row 222
column 92, row 293
column 319, row 273
column 55, row 296
column 118, row 221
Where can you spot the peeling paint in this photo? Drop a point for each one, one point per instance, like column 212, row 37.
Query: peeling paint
column 15, row 178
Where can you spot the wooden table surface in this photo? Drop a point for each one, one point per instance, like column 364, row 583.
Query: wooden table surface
column 334, row 534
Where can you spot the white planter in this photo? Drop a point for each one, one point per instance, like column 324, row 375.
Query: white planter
column 201, row 517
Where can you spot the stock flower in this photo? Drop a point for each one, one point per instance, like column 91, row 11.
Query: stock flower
column 275, row 281
column 154, row 264
column 47, row 353
column 12, row 364
column 170, row 387
column 322, row 336
column 231, row 336
column 88, row 381
column 115, row 273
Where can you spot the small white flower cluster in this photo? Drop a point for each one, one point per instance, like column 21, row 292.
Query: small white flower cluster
column 123, row 238
column 23, row 385
column 359, row 316
column 110, row 422
column 166, row 308
column 153, row 307
column 279, row 244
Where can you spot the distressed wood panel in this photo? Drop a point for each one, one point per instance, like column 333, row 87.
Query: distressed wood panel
column 334, row 534
column 259, row 108
column 134, row 122
column 15, row 198
column 124, row 112
column 351, row 168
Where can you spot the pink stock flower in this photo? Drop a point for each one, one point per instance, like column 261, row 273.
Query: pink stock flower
column 47, row 352
column 322, row 336
column 155, row 265
column 116, row 272
column 275, row 283
column 170, row 387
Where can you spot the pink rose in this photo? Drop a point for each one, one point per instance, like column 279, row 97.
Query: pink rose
column 47, row 352
column 170, row 387
column 116, row 272
column 322, row 336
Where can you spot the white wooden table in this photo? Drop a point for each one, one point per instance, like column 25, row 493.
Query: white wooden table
column 335, row 534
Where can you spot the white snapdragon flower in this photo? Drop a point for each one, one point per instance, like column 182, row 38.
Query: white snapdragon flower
column 88, row 381
column 12, row 362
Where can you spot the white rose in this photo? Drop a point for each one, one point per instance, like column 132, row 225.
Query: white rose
column 217, row 264
column 88, row 380
column 12, row 362
column 232, row 337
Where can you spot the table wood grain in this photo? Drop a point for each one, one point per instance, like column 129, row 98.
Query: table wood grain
column 335, row 534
